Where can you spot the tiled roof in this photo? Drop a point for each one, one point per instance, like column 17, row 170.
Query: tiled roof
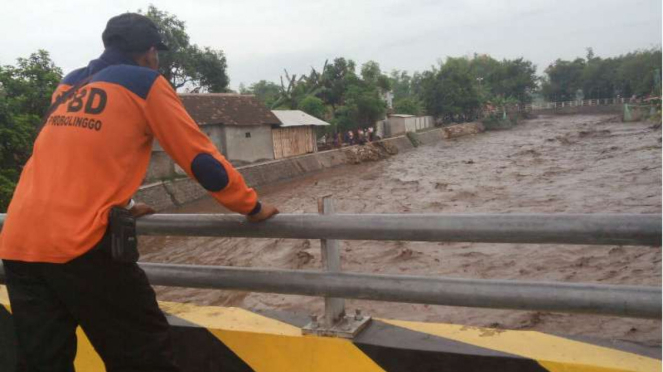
column 227, row 109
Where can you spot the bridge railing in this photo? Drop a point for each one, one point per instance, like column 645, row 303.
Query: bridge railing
column 335, row 285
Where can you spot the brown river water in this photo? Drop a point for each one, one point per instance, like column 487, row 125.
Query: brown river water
column 552, row 164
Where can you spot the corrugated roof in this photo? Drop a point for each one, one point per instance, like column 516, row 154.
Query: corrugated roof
column 294, row 118
column 227, row 109
column 400, row 116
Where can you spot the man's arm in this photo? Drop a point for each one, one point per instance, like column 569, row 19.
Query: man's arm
column 181, row 138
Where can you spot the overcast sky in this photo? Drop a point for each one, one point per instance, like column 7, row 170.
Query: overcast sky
column 261, row 38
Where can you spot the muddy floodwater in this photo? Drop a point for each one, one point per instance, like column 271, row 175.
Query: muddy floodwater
column 552, row 164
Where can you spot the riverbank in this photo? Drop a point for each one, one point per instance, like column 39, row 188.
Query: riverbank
column 176, row 192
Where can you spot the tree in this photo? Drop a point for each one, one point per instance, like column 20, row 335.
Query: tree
column 516, row 79
column 507, row 78
column 337, row 94
column 450, row 92
column 599, row 77
column 186, row 64
column 635, row 73
column 362, row 106
column 290, row 96
column 401, row 84
column 31, row 82
column 409, row 106
column 638, row 73
column 16, row 137
column 503, row 103
column 371, row 74
column 264, row 90
column 210, row 70
column 313, row 106
column 488, row 73
column 564, row 80
column 25, row 95
column 335, row 81
column 417, row 84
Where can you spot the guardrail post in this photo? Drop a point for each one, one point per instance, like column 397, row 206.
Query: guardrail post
column 331, row 262
column 335, row 323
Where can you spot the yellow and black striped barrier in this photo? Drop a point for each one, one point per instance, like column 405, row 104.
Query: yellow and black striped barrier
column 232, row 339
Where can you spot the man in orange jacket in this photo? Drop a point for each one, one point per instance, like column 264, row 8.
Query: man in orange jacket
column 90, row 156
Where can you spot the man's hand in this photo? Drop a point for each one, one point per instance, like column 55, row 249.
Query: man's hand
column 267, row 211
column 141, row 209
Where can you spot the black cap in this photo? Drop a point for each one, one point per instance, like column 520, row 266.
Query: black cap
column 132, row 32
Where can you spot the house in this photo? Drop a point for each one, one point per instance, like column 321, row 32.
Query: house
column 296, row 133
column 239, row 125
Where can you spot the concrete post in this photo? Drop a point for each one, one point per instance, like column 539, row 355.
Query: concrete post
column 331, row 262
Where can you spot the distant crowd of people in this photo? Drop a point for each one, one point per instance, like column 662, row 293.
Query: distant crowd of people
column 351, row 137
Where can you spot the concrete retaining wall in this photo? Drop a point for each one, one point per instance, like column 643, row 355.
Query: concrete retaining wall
column 584, row 110
column 439, row 134
column 430, row 136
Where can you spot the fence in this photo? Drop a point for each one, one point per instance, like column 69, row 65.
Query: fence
column 334, row 285
column 582, row 103
column 562, row 104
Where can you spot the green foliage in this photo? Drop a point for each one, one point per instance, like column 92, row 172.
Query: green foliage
column 335, row 81
column 401, row 84
column 410, row 106
column 564, row 80
column 289, row 97
column 25, row 95
column 503, row 103
column 337, row 94
column 186, row 64
column 451, row 91
column 372, row 75
column 458, row 88
column 264, row 90
column 496, row 121
column 30, row 84
column 514, row 78
column 313, row 106
column 637, row 73
column 7, row 186
column 361, row 106
column 413, row 139
column 209, row 70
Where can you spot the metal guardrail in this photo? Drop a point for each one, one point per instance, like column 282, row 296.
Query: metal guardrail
column 619, row 229
column 607, row 229
column 621, row 300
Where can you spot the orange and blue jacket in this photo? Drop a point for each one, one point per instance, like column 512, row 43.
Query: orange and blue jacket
column 93, row 153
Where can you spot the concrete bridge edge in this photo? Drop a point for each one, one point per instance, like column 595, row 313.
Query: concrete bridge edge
column 209, row 338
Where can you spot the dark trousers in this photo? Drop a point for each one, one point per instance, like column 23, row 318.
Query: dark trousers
column 112, row 302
